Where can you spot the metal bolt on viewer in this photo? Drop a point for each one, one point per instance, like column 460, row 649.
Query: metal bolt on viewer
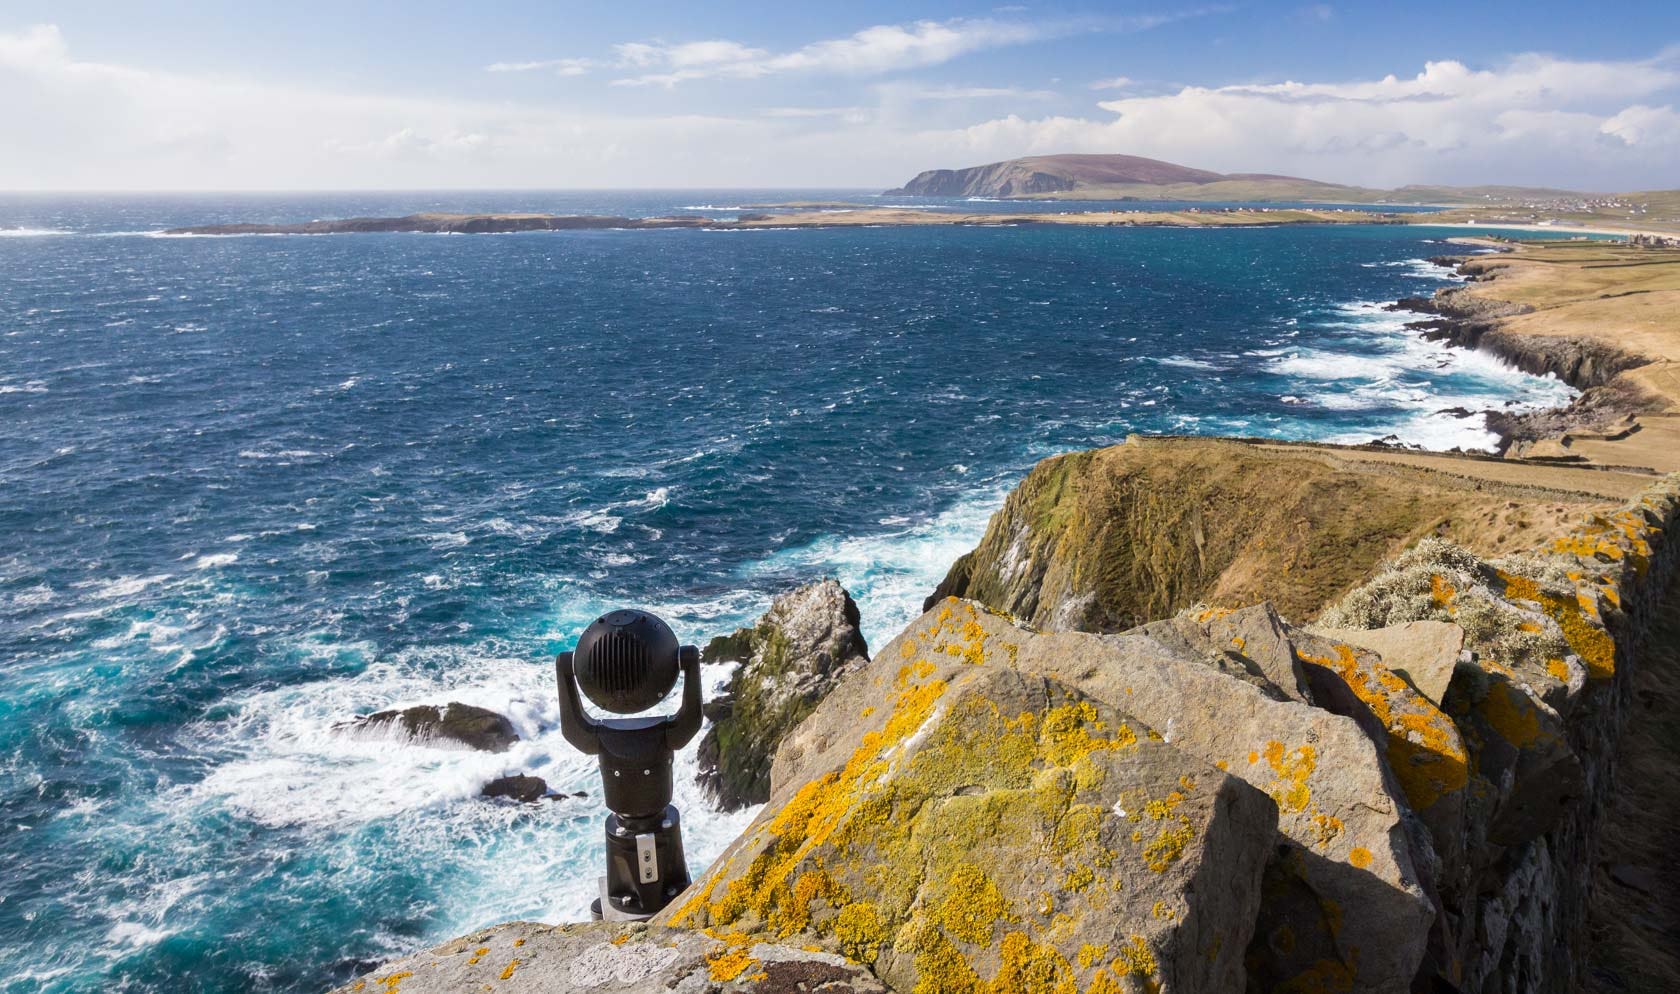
column 626, row 662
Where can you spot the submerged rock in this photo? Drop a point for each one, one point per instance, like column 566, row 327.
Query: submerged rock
column 518, row 787
column 464, row 724
column 989, row 825
column 806, row 642
column 613, row 958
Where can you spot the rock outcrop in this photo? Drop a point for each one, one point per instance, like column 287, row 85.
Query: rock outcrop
column 1108, row 539
column 454, row 723
column 956, row 820
column 806, row 642
column 613, row 958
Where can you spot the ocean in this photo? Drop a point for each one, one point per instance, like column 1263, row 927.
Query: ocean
column 253, row 486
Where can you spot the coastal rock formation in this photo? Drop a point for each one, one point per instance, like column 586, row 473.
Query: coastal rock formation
column 806, row 642
column 981, row 823
column 461, row 724
column 1108, row 539
column 613, row 958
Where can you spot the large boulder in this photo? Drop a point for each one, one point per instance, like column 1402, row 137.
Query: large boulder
column 613, row 958
column 1344, row 904
column 989, row 826
column 806, row 642
column 459, row 724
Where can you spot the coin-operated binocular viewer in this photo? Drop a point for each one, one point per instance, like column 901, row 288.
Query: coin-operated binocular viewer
column 626, row 662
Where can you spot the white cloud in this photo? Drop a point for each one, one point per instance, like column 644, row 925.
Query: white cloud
column 560, row 67
column 1533, row 120
column 874, row 50
column 978, row 93
column 1111, row 83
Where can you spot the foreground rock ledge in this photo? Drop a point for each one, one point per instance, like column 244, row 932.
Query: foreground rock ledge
column 606, row 958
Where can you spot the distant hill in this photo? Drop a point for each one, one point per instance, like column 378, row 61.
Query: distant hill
column 1118, row 177
column 1048, row 174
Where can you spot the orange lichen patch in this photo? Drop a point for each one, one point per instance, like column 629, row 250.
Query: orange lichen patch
column 1290, row 770
column 1512, row 713
column 1441, row 590
column 483, row 951
column 1424, row 748
column 1576, row 616
column 1090, row 955
column 973, row 906
column 860, row 931
column 1326, row 828
column 520, row 942
column 1611, row 538
column 1104, row 982
column 1360, row 857
column 866, row 712
column 1028, row 967
column 1211, row 614
column 1163, row 911
column 1326, row 976
column 728, row 964
column 392, row 981
column 1558, row 669
column 507, row 972
column 1134, row 959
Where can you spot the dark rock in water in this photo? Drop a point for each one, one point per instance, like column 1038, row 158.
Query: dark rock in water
column 802, row 646
column 518, row 787
column 1457, row 412
column 474, row 727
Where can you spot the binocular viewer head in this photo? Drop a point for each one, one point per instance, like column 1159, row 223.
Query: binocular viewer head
column 627, row 661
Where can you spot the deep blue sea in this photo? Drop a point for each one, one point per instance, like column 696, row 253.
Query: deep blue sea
column 250, row 487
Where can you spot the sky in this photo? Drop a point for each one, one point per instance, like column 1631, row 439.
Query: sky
column 551, row 94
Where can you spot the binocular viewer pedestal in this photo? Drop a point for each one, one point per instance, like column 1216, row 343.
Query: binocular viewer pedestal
column 629, row 661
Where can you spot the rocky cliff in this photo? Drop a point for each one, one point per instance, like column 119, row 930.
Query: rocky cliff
column 985, row 807
column 1108, row 539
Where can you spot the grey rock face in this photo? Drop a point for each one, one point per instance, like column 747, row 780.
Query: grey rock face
column 463, row 724
column 807, row 641
column 993, row 826
column 611, row 958
column 1424, row 652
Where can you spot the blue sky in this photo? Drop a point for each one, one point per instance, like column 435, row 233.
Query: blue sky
column 556, row 94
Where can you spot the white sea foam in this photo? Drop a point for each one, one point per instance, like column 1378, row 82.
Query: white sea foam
column 1185, row 362
column 890, row 572
column 31, row 232
column 293, row 767
column 32, row 386
column 1390, row 368
column 216, row 559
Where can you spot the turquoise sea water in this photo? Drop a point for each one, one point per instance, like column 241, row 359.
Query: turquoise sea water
column 250, row 487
